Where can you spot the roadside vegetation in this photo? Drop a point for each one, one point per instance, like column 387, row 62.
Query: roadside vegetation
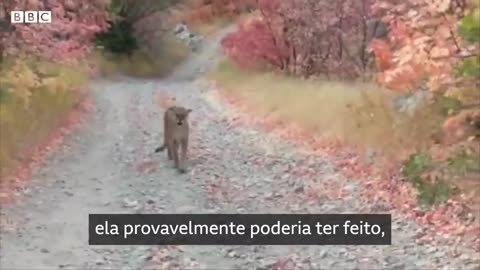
column 206, row 17
column 44, row 74
column 397, row 79
column 140, row 40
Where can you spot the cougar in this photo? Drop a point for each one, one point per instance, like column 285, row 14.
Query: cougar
column 176, row 131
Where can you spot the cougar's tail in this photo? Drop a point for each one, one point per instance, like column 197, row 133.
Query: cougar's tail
column 160, row 148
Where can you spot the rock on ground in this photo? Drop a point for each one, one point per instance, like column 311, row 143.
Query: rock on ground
column 410, row 103
column 190, row 39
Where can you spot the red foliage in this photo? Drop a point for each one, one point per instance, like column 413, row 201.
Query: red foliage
column 67, row 37
column 307, row 37
column 383, row 54
column 461, row 126
column 147, row 167
column 207, row 10
column 383, row 185
column 254, row 43
column 201, row 14
column 424, row 42
column 39, row 154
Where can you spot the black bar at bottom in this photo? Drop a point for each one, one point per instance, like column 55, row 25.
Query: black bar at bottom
column 237, row 229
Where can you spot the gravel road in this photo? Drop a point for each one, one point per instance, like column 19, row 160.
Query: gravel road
column 109, row 166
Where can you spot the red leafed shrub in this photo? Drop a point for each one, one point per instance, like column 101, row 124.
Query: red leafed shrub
column 426, row 49
column 424, row 42
column 254, row 44
column 203, row 13
column 307, row 37
column 69, row 35
column 207, row 10
column 383, row 54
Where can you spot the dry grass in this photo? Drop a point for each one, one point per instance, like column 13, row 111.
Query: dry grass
column 210, row 28
column 359, row 114
column 171, row 52
column 205, row 26
column 356, row 113
column 25, row 127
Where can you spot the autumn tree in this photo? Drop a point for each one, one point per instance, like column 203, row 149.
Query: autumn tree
column 68, row 37
column 135, row 24
column 208, row 10
column 434, row 46
column 42, row 73
column 67, row 40
column 308, row 37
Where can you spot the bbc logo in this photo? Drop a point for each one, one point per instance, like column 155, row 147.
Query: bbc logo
column 31, row 17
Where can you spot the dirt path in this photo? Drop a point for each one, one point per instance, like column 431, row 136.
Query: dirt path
column 109, row 167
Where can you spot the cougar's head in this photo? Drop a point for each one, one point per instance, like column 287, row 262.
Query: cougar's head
column 181, row 115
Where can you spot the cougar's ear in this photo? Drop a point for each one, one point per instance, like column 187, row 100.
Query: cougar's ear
column 189, row 111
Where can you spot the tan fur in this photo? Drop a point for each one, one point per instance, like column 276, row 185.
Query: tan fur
column 176, row 134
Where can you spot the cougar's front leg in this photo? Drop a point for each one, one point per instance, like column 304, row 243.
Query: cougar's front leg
column 169, row 151
column 168, row 142
column 175, row 153
column 183, row 158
